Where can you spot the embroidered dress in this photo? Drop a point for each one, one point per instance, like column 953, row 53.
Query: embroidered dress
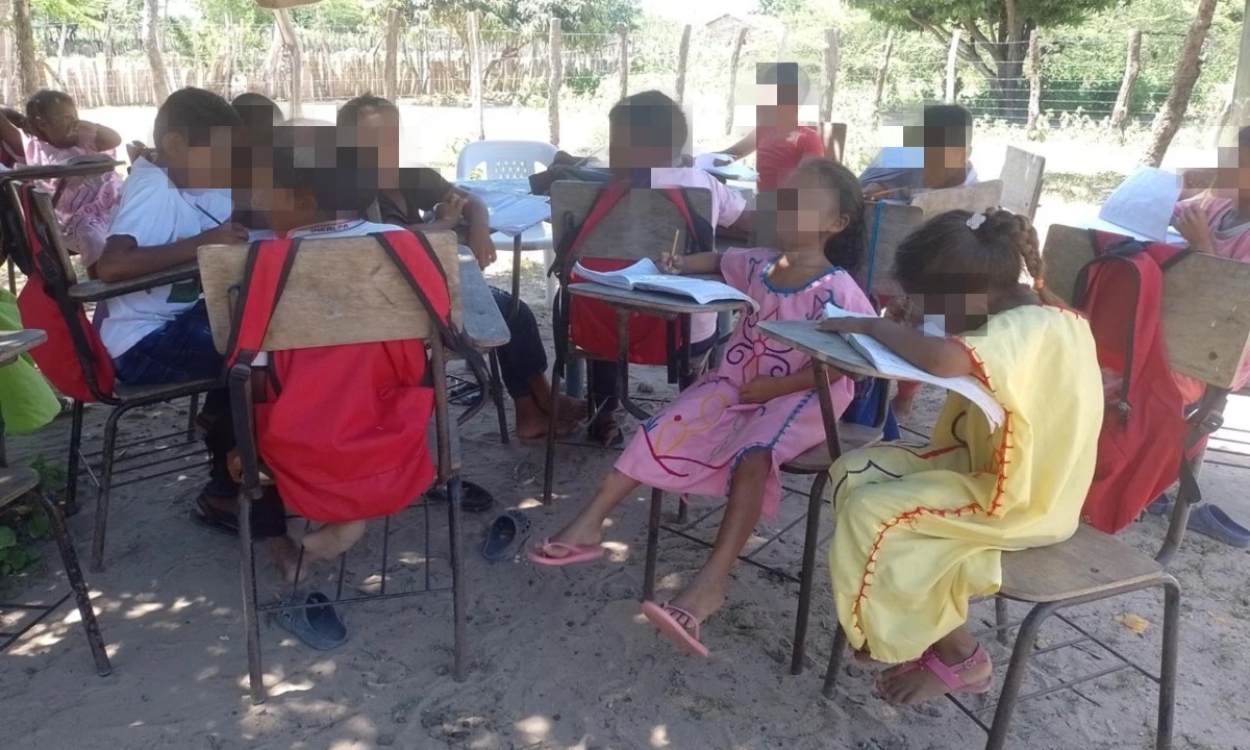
column 86, row 204
column 920, row 530
column 695, row 443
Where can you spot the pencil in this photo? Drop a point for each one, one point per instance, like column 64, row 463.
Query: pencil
column 672, row 254
column 881, row 194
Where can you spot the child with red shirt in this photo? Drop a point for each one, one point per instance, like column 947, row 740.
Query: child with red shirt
column 779, row 142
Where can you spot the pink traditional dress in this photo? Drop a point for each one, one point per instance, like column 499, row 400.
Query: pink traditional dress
column 696, row 442
column 86, row 205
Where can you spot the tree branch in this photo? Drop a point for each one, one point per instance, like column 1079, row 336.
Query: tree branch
column 966, row 49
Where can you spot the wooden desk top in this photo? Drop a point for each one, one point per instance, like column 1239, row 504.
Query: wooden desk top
column 95, row 290
column 14, row 344
column 483, row 323
column 652, row 302
column 826, row 347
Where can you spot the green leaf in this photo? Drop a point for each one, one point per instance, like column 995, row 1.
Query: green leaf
column 8, row 538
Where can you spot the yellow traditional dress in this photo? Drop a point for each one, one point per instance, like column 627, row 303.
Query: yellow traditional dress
column 920, row 530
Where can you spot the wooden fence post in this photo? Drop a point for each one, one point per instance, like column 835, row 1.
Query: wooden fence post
column 555, row 81
column 1132, row 66
column 733, row 79
column 883, row 71
column 390, row 79
column 622, row 31
column 475, row 72
column 832, row 58
column 683, row 53
column 286, row 29
column 1035, row 80
column 951, row 57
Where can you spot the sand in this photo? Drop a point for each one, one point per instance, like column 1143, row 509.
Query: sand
column 560, row 659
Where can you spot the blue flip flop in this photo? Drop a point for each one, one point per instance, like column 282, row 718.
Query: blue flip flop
column 1160, row 506
column 317, row 626
column 507, row 536
column 1211, row 521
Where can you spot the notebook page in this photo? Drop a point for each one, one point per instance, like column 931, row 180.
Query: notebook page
column 622, row 278
column 889, row 363
column 513, row 214
column 702, row 291
column 1143, row 203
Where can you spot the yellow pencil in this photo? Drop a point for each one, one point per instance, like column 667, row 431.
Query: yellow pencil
column 672, row 254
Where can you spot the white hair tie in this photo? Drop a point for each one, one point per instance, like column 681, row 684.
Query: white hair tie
column 975, row 221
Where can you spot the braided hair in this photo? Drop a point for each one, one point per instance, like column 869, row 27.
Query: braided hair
column 959, row 252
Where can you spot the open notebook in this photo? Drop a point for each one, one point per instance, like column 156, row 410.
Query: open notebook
column 1141, row 207
column 645, row 276
column 888, row 363
column 733, row 170
column 513, row 214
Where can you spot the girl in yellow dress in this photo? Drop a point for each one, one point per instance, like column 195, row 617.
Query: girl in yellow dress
column 920, row 530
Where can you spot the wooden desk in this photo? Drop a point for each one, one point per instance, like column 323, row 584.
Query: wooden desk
column 95, row 290
column 14, row 344
column 823, row 346
column 483, row 324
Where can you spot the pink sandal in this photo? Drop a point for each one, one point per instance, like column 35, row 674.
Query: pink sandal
column 678, row 625
column 952, row 675
column 576, row 553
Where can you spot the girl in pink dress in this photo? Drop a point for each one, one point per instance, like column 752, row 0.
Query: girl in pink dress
column 55, row 135
column 730, row 432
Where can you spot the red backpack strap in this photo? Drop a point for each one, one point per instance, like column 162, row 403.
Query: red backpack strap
column 264, row 277
column 698, row 229
column 566, row 254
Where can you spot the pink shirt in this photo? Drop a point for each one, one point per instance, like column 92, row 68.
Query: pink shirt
column 86, row 204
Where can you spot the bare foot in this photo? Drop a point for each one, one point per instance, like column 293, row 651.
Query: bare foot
column 581, row 532
column 332, row 540
column 532, row 420
column 284, row 552
column 572, row 408
column 700, row 598
column 911, row 684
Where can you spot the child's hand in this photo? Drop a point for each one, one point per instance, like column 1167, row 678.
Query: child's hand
column 671, row 263
column 451, row 209
column 1191, row 222
column 849, row 325
column 758, row 390
column 136, row 149
column 903, row 310
column 230, row 233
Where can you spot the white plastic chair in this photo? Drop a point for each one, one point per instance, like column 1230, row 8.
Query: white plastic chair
column 504, row 160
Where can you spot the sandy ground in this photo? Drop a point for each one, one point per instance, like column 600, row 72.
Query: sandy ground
column 560, row 659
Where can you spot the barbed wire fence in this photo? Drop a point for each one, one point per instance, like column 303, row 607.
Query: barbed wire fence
column 875, row 74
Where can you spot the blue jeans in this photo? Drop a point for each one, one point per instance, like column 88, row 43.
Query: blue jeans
column 179, row 352
column 524, row 357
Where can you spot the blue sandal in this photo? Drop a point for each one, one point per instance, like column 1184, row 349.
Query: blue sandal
column 507, row 536
column 1210, row 521
column 317, row 626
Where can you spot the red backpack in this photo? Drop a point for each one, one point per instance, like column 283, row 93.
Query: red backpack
column 342, row 429
column 592, row 323
column 1142, row 448
column 73, row 359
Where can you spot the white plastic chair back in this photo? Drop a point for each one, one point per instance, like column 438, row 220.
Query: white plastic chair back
column 504, row 160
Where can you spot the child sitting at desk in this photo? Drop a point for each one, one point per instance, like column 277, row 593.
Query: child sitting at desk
column 11, row 151
column 729, row 432
column 779, row 142
column 168, row 209
column 56, row 136
column 647, row 135
column 523, row 360
column 921, row 530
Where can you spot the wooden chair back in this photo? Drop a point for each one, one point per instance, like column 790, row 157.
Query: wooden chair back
column 641, row 226
column 1204, row 330
column 340, row 291
column 888, row 225
column 974, row 198
column 834, row 136
column 1022, row 181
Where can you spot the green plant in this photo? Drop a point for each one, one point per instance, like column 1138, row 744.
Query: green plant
column 26, row 522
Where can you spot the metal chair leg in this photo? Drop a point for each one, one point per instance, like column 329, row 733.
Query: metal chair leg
column 1168, row 662
column 549, row 461
column 81, row 594
column 106, row 482
column 1001, row 618
column 1016, row 672
column 653, row 544
column 459, row 605
column 815, row 501
column 496, row 395
column 192, row 413
column 75, row 455
column 835, row 661
column 251, row 619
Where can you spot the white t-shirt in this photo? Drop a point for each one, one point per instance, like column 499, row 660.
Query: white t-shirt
column 155, row 212
column 727, row 206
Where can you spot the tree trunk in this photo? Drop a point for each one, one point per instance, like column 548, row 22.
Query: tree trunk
column 27, row 59
column 683, row 55
column 390, row 81
column 1035, row 80
column 152, row 45
column 1119, row 115
column 1188, row 67
column 733, row 78
column 832, row 60
column 286, row 29
column 7, row 84
column 883, row 71
column 555, row 80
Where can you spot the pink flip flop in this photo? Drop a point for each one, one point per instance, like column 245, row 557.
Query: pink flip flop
column 577, row 553
column 952, row 676
column 677, row 625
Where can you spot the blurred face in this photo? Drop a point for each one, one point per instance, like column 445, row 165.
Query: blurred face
column 945, row 166
column 378, row 131
column 631, row 148
column 200, row 167
column 807, row 214
column 1233, row 176
column 58, row 125
column 776, row 106
column 954, row 313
